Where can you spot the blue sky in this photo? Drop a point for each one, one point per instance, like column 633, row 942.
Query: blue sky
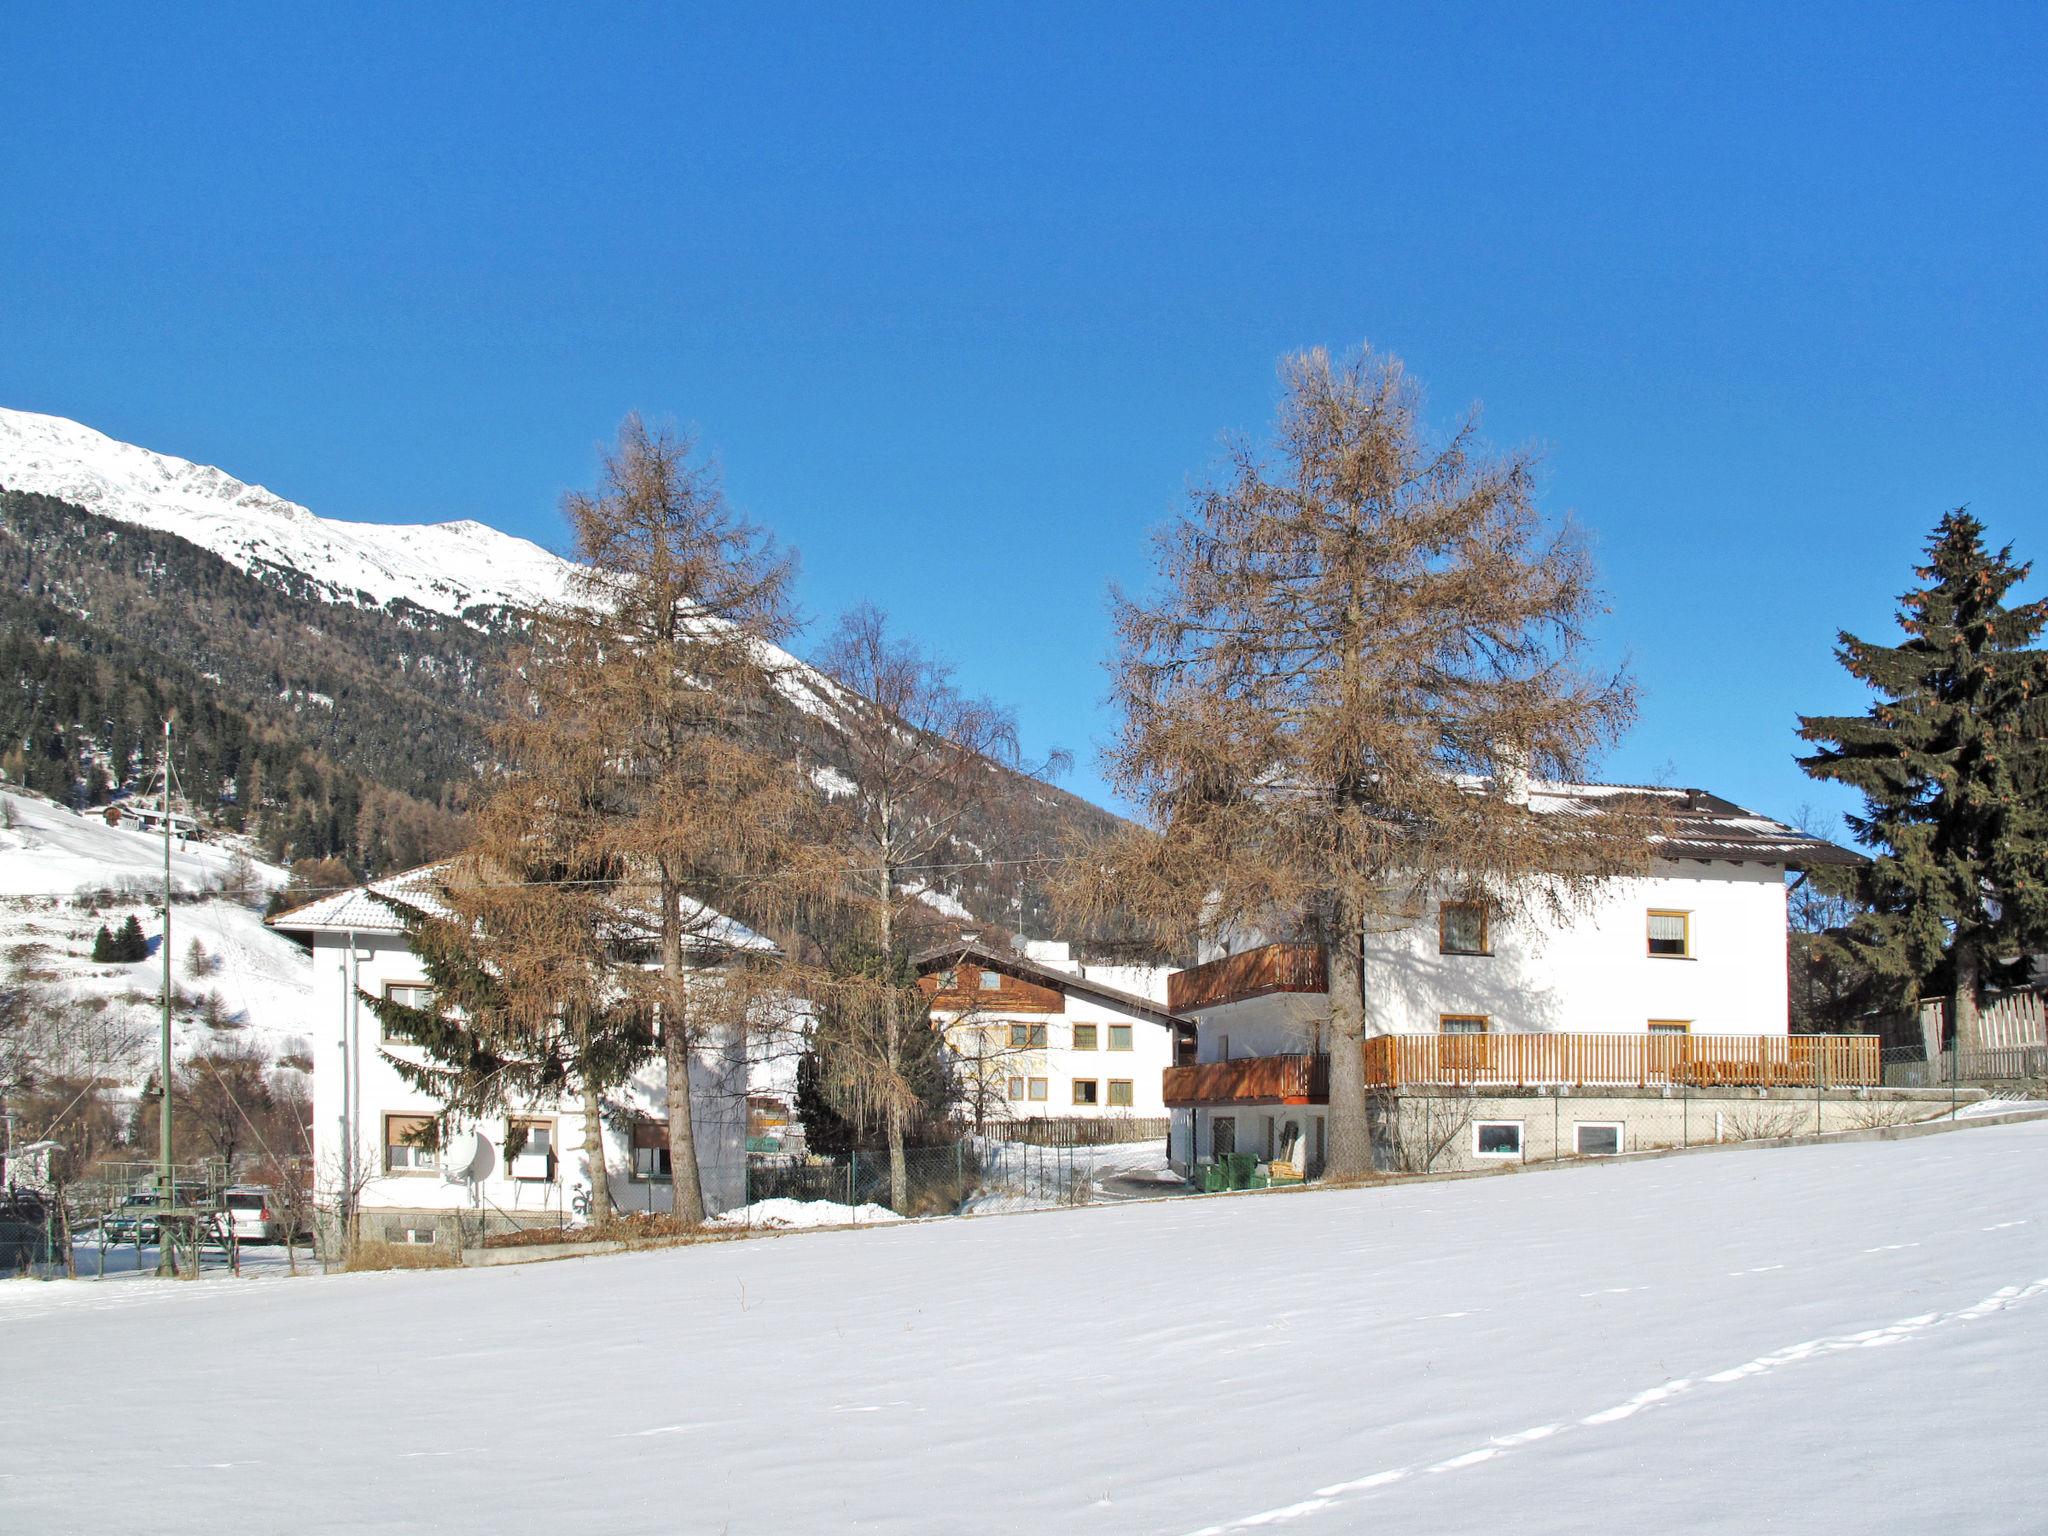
column 964, row 298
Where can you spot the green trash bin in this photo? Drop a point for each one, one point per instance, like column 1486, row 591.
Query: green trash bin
column 1242, row 1166
column 1215, row 1178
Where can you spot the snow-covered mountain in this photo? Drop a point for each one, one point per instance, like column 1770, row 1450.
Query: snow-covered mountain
column 443, row 567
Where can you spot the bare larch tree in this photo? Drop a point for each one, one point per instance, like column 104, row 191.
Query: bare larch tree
column 912, row 757
column 1364, row 642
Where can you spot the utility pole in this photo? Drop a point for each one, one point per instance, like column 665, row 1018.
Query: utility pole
column 166, row 1190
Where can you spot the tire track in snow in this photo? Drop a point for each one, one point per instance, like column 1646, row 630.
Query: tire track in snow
column 1869, row 1338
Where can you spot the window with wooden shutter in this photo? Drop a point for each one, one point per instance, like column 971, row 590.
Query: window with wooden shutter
column 650, row 1149
column 412, row 1144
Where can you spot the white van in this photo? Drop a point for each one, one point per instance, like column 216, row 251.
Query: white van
column 253, row 1214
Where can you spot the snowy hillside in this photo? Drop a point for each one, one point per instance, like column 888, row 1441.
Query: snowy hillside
column 443, row 567
column 1847, row 1337
column 63, row 875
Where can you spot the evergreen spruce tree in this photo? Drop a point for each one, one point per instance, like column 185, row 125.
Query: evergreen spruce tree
column 1952, row 761
column 129, row 944
column 103, row 948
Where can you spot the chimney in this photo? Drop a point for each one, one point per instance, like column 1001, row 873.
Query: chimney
column 1511, row 773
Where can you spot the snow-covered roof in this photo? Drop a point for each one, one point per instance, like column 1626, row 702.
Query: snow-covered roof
column 358, row 910
column 1700, row 825
column 944, row 955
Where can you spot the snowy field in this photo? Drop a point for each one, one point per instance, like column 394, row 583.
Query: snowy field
column 1837, row 1337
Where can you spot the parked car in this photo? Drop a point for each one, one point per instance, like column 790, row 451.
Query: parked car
column 132, row 1221
column 253, row 1214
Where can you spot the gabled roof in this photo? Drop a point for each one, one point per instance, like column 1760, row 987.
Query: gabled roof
column 358, row 910
column 1013, row 964
column 1701, row 825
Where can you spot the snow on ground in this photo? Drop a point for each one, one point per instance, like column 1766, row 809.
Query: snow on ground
column 804, row 1213
column 1845, row 1336
column 50, row 855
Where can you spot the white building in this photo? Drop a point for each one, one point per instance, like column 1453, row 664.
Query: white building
column 369, row 1123
column 1694, row 949
column 1042, row 1035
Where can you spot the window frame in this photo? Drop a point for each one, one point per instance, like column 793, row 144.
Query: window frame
column 1619, row 1127
column 1222, row 1123
column 1483, row 1020
column 1094, row 1087
column 1521, row 1141
column 414, row 1149
column 1130, row 1098
column 986, row 980
column 1130, row 1042
column 385, row 1034
column 1013, row 1090
column 656, row 1174
column 1094, row 1035
column 1670, row 1026
column 1649, row 939
column 1443, row 936
column 1038, row 1090
column 530, row 1124
column 1028, row 1037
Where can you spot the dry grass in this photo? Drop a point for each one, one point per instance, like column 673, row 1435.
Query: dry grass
column 633, row 1230
column 376, row 1255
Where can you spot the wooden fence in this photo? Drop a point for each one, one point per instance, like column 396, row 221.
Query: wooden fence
column 1623, row 1061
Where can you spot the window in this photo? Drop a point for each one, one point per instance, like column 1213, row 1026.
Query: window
column 1084, row 1037
column 407, row 994
column 991, row 981
column 1497, row 1138
column 1122, row 1093
column 1017, row 1088
column 1462, row 1023
column 1223, row 1135
column 1086, row 1091
column 412, row 1144
column 530, row 1149
column 1597, row 1138
column 650, row 1150
column 1671, row 935
column 1223, row 1047
column 1461, row 928
column 1670, row 1026
column 1039, row 1092
column 1119, row 1037
column 949, row 980
column 1027, row 1037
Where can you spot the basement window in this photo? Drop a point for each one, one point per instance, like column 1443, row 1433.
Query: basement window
column 1597, row 1138
column 1462, row 1023
column 1497, row 1138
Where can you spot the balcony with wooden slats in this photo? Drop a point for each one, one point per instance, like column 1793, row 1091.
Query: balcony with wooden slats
column 1577, row 1061
column 1293, row 1079
column 1250, row 973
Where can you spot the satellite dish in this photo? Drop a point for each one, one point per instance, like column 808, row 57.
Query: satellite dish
column 460, row 1157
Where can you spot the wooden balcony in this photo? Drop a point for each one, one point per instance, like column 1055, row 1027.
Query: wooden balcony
column 1297, row 1079
column 1252, row 973
column 1623, row 1061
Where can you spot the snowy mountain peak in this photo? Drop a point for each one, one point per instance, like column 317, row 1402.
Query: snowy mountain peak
column 442, row 567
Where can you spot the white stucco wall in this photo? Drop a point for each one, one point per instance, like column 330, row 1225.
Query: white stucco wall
column 355, row 1087
column 1590, row 972
column 1143, row 1065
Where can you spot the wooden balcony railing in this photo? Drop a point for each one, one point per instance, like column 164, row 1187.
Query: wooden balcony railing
column 1252, row 973
column 1295, row 1079
column 1623, row 1061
